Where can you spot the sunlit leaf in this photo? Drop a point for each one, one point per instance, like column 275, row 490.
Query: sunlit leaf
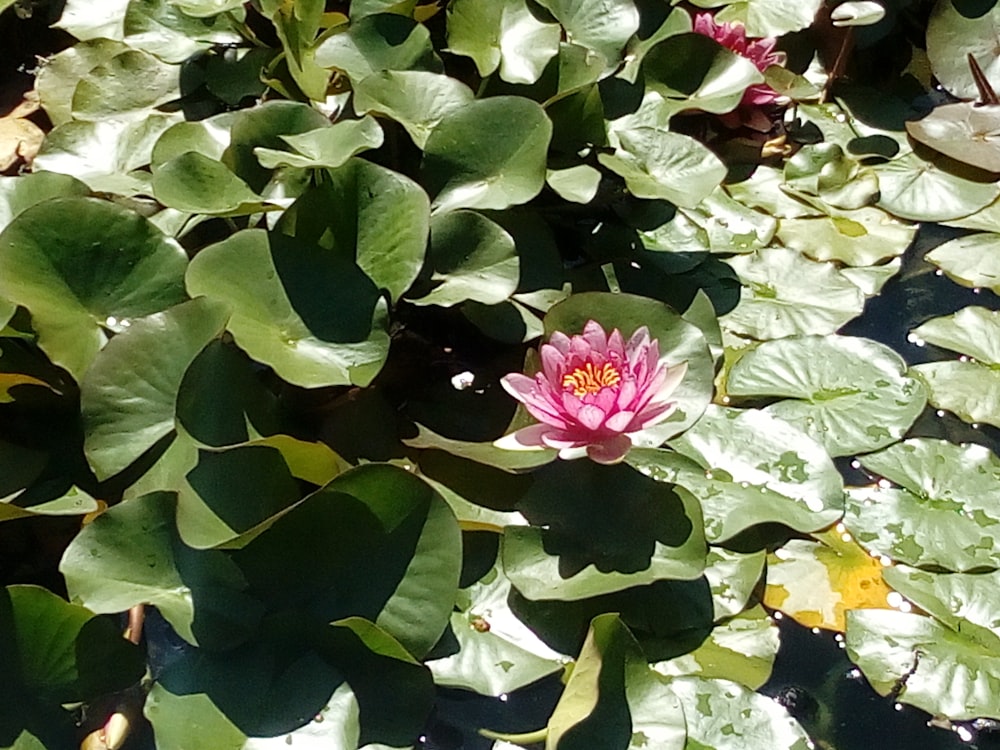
column 963, row 131
column 916, row 189
column 384, row 41
column 601, row 25
column 952, row 36
column 816, row 583
column 326, row 147
column 849, row 394
column 972, row 260
column 862, row 237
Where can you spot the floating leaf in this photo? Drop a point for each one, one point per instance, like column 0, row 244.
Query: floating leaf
column 583, row 551
column 785, row 294
column 22, row 192
column 600, row 25
column 418, row 100
column 110, row 89
column 58, row 76
column 916, row 189
column 497, row 653
column 952, row 36
column 374, row 43
column 128, row 396
column 502, row 34
column 733, row 577
column 862, row 237
column 851, row 395
column 82, row 264
column 471, row 258
column 310, row 339
column 195, row 183
column 489, row 154
column 763, row 18
column 972, row 260
column 947, row 672
column 974, row 331
column 723, row 715
column 743, row 650
column 968, row 390
column 74, row 502
column 816, row 583
column 747, row 467
column 943, row 514
column 326, row 147
column 578, row 184
column 662, row 165
column 964, row 131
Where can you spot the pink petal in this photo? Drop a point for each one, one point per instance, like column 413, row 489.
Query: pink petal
column 561, row 440
column 616, row 343
column 560, row 341
column 517, row 385
column 620, row 422
column 526, row 438
column 652, row 415
column 553, row 364
column 610, row 451
column 525, row 390
column 591, row 416
column 626, row 394
column 595, row 336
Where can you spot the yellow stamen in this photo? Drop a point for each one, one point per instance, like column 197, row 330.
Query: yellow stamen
column 588, row 379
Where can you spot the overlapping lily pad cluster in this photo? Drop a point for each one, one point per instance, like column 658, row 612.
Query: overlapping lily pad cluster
column 262, row 282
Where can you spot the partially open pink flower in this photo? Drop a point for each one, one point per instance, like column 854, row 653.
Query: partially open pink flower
column 593, row 392
column 760, row 52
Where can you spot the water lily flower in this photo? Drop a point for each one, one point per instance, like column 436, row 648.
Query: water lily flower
column 593, row 393
column 760, row 52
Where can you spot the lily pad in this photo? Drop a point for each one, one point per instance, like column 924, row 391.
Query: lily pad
column 851, row 395
column 764, row 18
column 785, row 294
column 862, row 237
column 916, row 189
column 724, row 715
column 604, row 26
column 974, row 331
column 747, row 467
column 952, row 36
column 659, row 164
column 112, row 89
column 57, row 78
column 325, row 147
column 416, row 99
column 497, row 653
column 383, row 41
column 964, row 131
column 968, row 390
column 972, row 260
column 582, row 551
column 489, row 154
column 947, row 672
column 504, row 34
column 818, row 582
column 128, row 396
column 305, row 339
column 943, row 514
column 196, row 183
column 470, row 258
column 81, row 265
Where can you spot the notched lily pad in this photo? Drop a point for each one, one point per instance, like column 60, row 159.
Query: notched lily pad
column 964, row 131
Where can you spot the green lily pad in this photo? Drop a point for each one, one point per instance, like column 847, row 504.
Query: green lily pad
column 747, row 467
column 106, row 154
column 693, row 71
column 384, row 41
column 964, row 131
column 658, row 164
column 785, row 294
column 957, row 600
column 325, row 147
column 913, row 188
column 733, row 577
column 763, row 18
column 57, row 78
column 497, row 653
column 81, row 265
column 583, row 551
column 604, row 26
column 952, row 36
column 416, row 99
column 578, row 184
column 504, row 35
column 974, row 331
column 862, row 237
column 382, row 222
column 943, row 512
column 111, row 89
column 22, row 192
column 128, row 396
column 196, row 183
column 310, row 339
column 851, row 395
column 489, row 154
column 972, row 260
column 470, row 258
column 968, row 390
column 200, row 593
column 724, row 715
column 742, row 649
column 209, row 137
column 74, row 502
column 168, row 31
column 56, row 653
column 947, row 672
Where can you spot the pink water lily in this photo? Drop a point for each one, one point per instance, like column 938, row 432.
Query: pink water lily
column 593, row 393
column 760, row 52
